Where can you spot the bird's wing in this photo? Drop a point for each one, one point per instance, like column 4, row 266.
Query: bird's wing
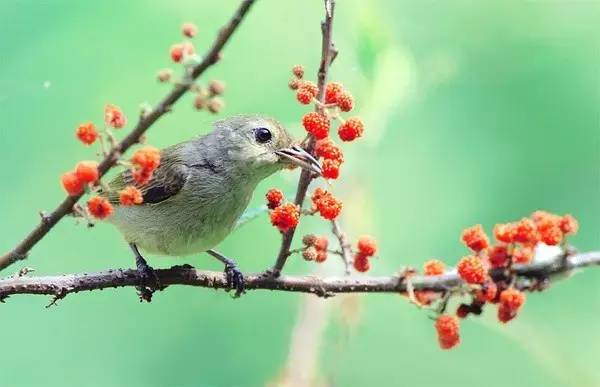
column 167, row 180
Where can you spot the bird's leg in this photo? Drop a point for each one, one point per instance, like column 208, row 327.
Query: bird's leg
column 149, row 282
column 235, row 278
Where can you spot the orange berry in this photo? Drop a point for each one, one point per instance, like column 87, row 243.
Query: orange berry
column 328, row 150
column 321, row 243
column 87, row 133
column 332, row 90
column 147, row 158
column 180, row 50
column 99, row 207
column 114, row 117
column 434, row 267
column 285, row 217
column 361, row 263
column 498, row 256
column 512, row 298
column 72, row 184
column 448, row 331
column 328, row 206
column 274, row 198
column 87, row 171
column 568, row 224
column 189, row 29
column 351, row 129
column 471, row 270
column 306, row 92
column 504, row 232
column 551, row 235
column 487, row 293
column 525, row 232
column 130, row 196
column 316, row 124
column 345, row 101
column 330, row 169
column 298, row 71
column 141, row 176
column 523, row 256
column 475, row 238
column 321, row 256
column 367, row 245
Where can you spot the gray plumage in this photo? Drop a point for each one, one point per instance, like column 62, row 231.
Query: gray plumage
column 202, row 186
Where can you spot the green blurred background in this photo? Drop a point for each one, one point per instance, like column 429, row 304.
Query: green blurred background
column 475, row 112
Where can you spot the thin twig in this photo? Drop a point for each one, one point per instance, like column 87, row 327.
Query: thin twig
column 62, row 285
column 345, row 246
column 328, row 53
column 21, row 250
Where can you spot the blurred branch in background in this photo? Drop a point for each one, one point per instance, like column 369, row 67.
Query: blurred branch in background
column 49, row 220
column 536, row 276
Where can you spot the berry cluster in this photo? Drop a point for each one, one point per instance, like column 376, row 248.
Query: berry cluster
column 329, row 105
column 184, row 53
column 515, row 243
column 315, row 248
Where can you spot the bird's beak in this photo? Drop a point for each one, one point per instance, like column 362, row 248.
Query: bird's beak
column 301, row 158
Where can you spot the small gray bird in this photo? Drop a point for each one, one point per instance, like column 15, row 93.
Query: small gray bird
column 201, row 188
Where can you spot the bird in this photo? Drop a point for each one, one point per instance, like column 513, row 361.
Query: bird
column 201, row 188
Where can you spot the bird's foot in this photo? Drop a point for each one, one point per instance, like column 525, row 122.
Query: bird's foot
column 235, row 279
column 149, row 282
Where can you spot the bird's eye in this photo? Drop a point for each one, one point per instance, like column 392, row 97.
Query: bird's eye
column 262, row 135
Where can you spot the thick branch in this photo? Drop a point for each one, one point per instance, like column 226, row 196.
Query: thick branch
column 60, row 286
column 48, row 220
column 328, row 54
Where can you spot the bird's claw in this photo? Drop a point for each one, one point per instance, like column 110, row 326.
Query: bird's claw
column 149, row 282
column 235, row 279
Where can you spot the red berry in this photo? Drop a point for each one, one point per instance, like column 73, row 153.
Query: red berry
column 328, row 150
column 475, row 238
column 504, row 232
column 487, row 293
column 367, row 245
column 523, row 255
column 146, row 158
column 274, row 198
column 306, row 92
column 448, row 331
column 87, row 171
column 99, row 207
column 361, row 262
column 130, row 196
column 87, row 133
column 328, row 206
column 434, row 267
column 551, row 235
column 180, row 50
column 141, row 176
column 332, row 90
column 321, row 256
column 285, row 217
column 525, row 232
column 463, row 311
column 298, row 71
column 351, row 129
column 114, row 117
column 512, row 298
column 189, row 29
column 321, row 243
column 471, row 270
column 330, row 169
column 568, row 224
column 316, row 124
column 505, row 314
column 498, row 256
column 72, row 184
column 345, row 101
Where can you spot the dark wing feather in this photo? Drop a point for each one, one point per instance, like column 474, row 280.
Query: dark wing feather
column 167, row 181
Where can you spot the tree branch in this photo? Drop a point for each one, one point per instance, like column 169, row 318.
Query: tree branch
column 527, row 276
column 49, row 220
column 328, row 54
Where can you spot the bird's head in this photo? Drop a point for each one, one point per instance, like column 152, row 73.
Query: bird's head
column 260, row 146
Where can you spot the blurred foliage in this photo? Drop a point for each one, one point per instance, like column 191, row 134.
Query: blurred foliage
column 476, row 112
